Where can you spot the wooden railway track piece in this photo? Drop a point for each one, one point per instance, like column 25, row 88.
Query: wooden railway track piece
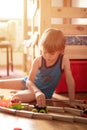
column 54, row 113
column 7, row 110
column 79, row 104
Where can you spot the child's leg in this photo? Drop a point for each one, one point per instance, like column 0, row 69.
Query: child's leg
column 24, row 87
column 14, row 92
column 25, row 96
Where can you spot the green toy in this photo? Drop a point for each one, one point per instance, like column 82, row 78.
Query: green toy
column 17, row 106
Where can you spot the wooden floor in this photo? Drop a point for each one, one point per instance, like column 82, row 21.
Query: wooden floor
column 9, row 122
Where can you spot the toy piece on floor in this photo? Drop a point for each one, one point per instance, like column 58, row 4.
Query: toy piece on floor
column 85, row 101
column 17, row 105
column 39, row 109
column 17, row 129
column 14, row 104
column 84, row 113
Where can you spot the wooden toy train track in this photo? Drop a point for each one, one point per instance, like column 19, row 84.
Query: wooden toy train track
column 51, row 113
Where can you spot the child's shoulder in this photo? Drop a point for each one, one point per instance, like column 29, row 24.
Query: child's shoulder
column 65, row 60
column 65, row 57
column 38, row 60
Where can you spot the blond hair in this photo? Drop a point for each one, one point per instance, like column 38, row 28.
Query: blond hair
column 53, row 40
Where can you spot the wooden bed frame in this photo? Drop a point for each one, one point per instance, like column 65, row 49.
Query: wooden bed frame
column 66, row 13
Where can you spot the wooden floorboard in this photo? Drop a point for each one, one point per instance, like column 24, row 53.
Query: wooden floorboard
column 9, row 122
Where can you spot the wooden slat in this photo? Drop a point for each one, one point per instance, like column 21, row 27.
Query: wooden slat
column 69, row 29
column 76, row 51
column 35, row 29
column 45, row 15
column 68, row 12
column 67, row 3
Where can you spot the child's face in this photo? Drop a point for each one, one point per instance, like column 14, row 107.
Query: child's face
column 50, row 57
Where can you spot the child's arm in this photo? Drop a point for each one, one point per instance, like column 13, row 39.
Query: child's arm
column 32, row 74
column 70, row 83
column 69, row 78
column 40, row 97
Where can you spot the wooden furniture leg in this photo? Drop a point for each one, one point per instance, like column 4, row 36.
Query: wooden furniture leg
column 7, row 60
column 9, row 55
column 11, row 58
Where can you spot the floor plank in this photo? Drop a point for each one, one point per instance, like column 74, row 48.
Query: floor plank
column 9, row 122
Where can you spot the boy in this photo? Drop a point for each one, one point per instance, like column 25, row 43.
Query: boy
column 47, row 69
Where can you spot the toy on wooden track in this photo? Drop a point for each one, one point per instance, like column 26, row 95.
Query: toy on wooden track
column 39, row 109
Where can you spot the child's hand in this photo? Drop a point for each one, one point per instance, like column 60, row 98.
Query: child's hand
column 40, row 98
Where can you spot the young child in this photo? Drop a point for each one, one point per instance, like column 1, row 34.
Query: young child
column 47, row 69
